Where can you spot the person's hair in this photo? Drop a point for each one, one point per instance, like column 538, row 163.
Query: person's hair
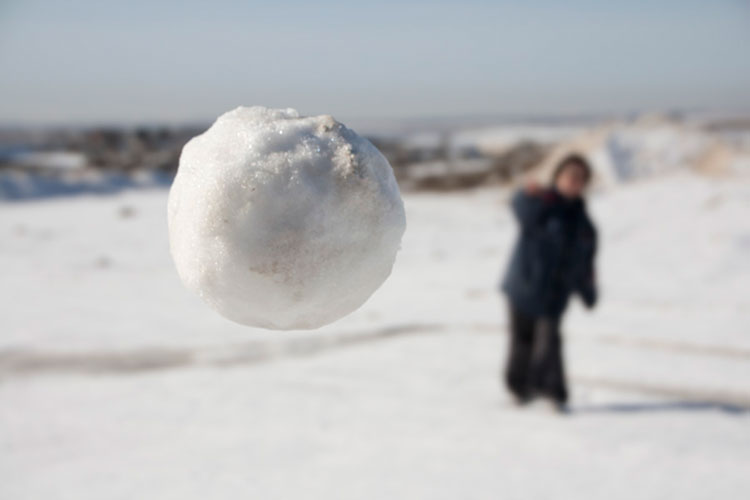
column 576, row 160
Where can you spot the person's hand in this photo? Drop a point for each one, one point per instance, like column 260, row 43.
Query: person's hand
column 590, row 301
column 532, row 187
column 590, row 294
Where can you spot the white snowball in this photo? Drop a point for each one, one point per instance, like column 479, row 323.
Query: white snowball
column 283, row 221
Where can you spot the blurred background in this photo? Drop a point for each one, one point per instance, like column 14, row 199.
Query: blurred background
column 116, row 382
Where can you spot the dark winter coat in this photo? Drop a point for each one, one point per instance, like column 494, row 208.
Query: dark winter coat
column 554, row 254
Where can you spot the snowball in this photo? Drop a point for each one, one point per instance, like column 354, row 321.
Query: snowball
column 283, row 221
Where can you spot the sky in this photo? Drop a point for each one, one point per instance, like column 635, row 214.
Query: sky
column 141, row 61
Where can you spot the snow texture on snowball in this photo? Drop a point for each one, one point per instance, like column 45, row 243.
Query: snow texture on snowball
column 283, row 221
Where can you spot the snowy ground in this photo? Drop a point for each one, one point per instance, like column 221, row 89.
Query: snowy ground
column 116, row 383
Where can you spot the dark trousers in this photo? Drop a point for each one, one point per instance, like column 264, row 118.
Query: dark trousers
column 535, row 363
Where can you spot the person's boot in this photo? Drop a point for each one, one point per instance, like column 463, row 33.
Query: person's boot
column 560, row 407
column 558, row 398
column 521, row 399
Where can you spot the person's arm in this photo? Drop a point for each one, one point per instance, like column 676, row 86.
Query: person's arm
column 587, row 288
column 527, row 204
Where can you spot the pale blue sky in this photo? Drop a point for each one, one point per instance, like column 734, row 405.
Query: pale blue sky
column 87, row 61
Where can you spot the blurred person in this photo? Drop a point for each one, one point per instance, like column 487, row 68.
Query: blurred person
column 552, row 259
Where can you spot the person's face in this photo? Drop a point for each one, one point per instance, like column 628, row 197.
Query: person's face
column 572, row 181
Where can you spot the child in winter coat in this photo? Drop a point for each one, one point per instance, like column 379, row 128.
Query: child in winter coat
column 552, row 259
